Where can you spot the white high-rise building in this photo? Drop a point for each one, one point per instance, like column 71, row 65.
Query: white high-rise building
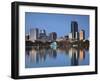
column 70, row 35
column 76, row 35
column 34, row 33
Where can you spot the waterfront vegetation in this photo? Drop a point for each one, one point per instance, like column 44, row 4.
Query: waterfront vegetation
column 60, row 44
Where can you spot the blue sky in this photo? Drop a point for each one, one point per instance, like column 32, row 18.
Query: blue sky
column 59, row 23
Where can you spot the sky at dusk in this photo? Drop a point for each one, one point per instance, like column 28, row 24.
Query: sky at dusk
column 59, row 23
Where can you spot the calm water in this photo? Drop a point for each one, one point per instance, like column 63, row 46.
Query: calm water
column 55, row 57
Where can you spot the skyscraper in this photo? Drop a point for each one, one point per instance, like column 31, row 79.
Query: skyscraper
column 74, row 30
column 42, row 34
column 53, row 36
column 82, row 35
column 34, row 33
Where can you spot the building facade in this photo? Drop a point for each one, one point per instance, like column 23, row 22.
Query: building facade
column 53, row 36
column 82, row 35
column 74, row 30
column 70, row 35
column 42, row 34
column 34, row 33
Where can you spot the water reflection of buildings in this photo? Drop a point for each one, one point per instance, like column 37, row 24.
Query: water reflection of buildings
column 31, row 55
column 81, row 54
column 40, row 55
column 76, row 55
column 37, row 56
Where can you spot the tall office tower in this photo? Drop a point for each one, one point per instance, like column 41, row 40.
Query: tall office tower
column 82, row 35
column 34, row 32
column 74, row 30
column 42, row 34
column 53, row 36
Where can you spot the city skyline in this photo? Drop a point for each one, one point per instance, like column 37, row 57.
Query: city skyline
column 50, row 22
column 56, row 40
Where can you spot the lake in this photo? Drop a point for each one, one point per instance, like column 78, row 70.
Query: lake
column 55, row 57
